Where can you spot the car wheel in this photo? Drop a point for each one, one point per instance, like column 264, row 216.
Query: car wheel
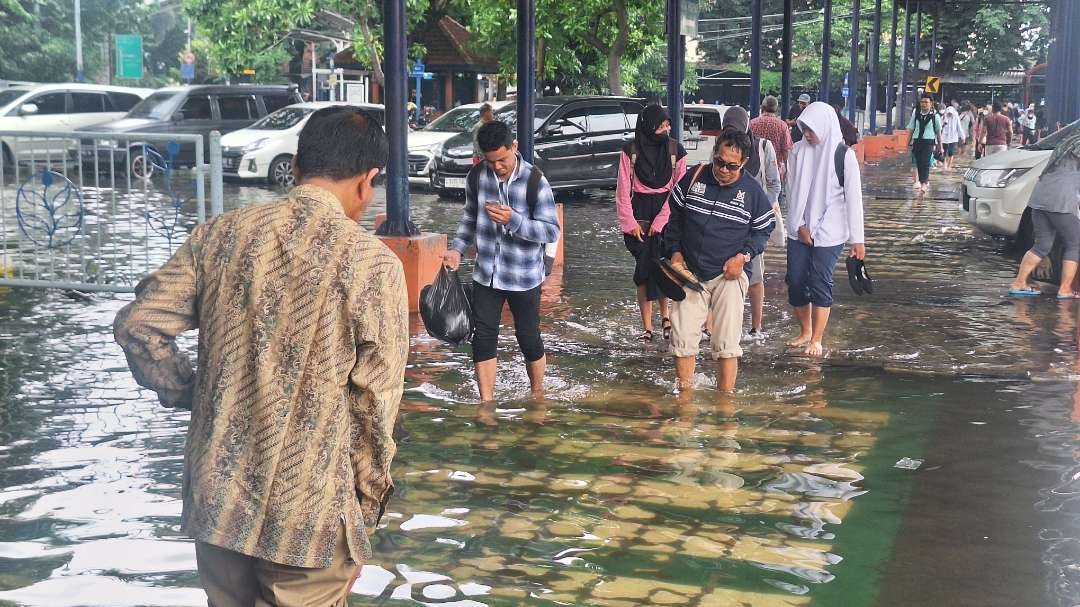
column 142, row 164
column 9, row 160
column 1025, row 236
column 280, row 172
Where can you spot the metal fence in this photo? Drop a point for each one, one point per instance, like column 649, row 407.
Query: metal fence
column 97, row 211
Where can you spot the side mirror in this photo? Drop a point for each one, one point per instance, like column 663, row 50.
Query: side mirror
column 28, row 109
column 554, row 130
column 177, row 116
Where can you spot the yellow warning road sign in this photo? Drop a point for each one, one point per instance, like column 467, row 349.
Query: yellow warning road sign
column 933, row 84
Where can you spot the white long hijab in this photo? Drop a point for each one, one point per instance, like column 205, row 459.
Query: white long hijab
column 811, row 167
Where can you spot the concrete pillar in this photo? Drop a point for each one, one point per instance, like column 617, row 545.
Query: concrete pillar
column 826, row 52
column 676, row 57
column 755, row 58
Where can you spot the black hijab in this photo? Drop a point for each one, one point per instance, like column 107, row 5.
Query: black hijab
column 653, row 167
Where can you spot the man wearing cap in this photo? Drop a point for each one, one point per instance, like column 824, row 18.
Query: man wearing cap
column 793, row 117
column 720, row 220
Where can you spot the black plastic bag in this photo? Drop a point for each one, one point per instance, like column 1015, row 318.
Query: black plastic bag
column 445, row 308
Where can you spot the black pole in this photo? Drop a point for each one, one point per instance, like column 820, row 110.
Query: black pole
column 890, row 93
column 785, row 78
column 676, row 66
column 918, row 43
column 526, row 76
column 933, row 37
column 853, row 70
column 875, row 57
column 398, row 222
column 755, row 58
column 826, row 52
column 901, row 111
column 1070, row 107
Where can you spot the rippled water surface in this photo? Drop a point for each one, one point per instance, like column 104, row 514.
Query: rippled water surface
column 613, row 491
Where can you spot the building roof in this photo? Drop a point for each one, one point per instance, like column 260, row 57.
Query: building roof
column 449, row 45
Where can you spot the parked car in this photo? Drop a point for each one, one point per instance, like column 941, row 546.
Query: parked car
column 996, row 189
column 264, row 150
column 577, row 144
column 185, row 110
column 58, row 108
column 424, row 143
column 701, row 124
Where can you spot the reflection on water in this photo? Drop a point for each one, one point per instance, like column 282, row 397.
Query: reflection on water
column 612, row 491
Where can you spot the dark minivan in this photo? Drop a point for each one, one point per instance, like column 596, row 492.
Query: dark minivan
column 188, row 110
column 577, row 145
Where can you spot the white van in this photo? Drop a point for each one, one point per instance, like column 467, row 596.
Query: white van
column 996, row 188
column 58, row 108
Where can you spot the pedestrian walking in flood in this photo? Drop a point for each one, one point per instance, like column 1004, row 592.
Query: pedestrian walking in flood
column 1055, row 203
column 763, row 167
column 649, row 167
column 925, row 129
column 847, row 128
column 769, row 126
column 968, row 116
column 825, row 211
column 487, row 114
column 303, row 337
column 720, row 220
column 793, row 116
column 1030, row 126
column 952, row 136
column 509, row 215
column 998, row 130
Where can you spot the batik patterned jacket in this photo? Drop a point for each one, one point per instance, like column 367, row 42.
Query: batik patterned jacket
column 303, row 338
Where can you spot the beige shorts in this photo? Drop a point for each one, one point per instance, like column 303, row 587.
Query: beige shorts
column 724, row 299
column 757, row 270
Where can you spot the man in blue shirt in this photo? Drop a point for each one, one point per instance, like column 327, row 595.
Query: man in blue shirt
column 720, row 220
column 509, row 232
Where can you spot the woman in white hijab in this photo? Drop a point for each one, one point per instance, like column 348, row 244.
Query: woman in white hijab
column 823, row 215
column 952, row 136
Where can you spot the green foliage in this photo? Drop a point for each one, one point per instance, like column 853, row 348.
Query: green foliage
column 971, row 38
column 39, row 42
column 575, row 38
column 241, row 33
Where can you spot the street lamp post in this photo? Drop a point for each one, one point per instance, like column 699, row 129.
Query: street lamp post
column 79, row 76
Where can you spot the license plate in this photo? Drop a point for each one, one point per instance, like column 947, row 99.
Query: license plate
column 457, row 183
column 230, row 163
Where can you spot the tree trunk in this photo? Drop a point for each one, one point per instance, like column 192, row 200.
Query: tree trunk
column 619, row 48
column 373, row 55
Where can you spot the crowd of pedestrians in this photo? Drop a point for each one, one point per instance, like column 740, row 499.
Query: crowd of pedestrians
column 303, row 316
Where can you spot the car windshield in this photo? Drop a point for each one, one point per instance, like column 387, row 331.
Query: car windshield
column 160, row 105
column 457, row 120
column 1050, row 142
column 509, row 115
column 9, row 95
column 282, row 119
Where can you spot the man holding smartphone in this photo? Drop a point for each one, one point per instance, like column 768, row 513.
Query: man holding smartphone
column 509, row 216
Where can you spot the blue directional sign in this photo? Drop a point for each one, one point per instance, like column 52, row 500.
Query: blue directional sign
column 846, row 92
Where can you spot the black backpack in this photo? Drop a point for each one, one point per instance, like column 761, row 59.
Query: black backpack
column 532, row 194
column 838, row 161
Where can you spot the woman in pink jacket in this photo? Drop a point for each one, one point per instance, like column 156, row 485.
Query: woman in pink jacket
column 649, row 167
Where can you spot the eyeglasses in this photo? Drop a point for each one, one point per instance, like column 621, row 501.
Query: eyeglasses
column 730, row 166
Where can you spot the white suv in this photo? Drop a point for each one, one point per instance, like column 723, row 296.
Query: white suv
column 265, row 149
column 57, row 108
column 996, row 188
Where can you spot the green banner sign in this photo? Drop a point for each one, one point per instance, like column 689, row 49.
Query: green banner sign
column 129, row 57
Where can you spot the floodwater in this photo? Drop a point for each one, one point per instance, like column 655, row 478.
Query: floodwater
column 931, row 460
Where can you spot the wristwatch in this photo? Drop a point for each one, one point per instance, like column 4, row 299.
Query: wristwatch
column 747, row 257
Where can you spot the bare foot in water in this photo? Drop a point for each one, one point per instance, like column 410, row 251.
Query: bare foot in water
column 814, row 349
column 799, row 341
